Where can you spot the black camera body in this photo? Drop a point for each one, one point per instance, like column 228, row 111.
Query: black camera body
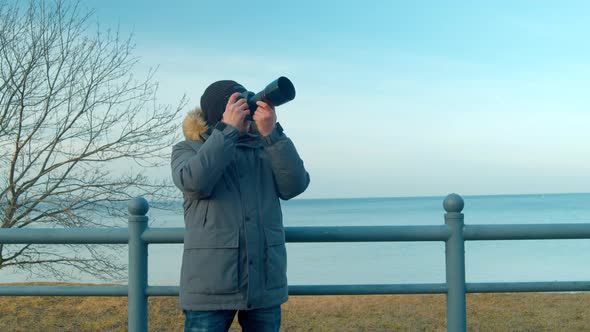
column 278, row 92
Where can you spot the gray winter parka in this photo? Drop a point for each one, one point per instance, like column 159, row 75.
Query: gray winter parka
column 234, row 246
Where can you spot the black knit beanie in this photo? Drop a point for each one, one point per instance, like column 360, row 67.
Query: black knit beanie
column 215, row 97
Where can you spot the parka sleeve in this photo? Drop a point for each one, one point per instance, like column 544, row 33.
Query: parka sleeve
column 290, row 176
column 197, row 167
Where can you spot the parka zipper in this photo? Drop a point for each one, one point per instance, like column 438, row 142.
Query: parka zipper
column 243, row 225
column 206, row 212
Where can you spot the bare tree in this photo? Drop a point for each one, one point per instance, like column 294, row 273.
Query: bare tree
column 73, row 121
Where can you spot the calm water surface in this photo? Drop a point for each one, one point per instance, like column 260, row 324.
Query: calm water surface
column 409, row 262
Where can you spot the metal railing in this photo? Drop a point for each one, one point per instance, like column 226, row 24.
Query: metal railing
column 454, row 233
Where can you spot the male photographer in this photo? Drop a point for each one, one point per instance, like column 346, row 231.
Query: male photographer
column 232, row 172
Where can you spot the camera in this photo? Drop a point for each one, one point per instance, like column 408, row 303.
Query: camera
column 278, row 92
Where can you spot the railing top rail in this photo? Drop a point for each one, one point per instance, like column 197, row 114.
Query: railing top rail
column 64, row 235
column 308, row 234
column 527, row 231
column 367, row 233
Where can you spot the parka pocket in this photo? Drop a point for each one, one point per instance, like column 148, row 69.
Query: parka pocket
column 276, row 258
column 210, row 261
column 196, row 211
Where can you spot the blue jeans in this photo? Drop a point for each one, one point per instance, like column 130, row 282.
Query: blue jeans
column 256, row 320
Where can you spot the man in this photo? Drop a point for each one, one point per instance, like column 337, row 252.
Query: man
column 232, row 173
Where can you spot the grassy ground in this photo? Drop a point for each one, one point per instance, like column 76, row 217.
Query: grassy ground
column 485, row 312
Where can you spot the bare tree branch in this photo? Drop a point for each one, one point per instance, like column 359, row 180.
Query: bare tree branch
column 71, row 112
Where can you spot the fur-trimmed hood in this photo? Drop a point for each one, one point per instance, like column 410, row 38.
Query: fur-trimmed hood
column 194, row 125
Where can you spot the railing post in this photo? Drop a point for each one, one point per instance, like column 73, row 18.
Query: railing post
column 455, row 264
column 137, row 283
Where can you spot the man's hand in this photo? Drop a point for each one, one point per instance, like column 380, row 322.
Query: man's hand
column 235, row 112
column 265, row 118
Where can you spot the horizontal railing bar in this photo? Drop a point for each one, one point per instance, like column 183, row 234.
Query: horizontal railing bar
column 162, row 290
column 163, row 235
column 332, row 289
column 367, row 289
column 63, row 291
column 440, row 288
column 64, row 236
column 328, row 234
column 307, row 234
column 367, row 233
column 510, row 287
column 526, row 232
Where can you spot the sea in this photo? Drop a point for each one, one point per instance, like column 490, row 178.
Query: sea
column 404, row 262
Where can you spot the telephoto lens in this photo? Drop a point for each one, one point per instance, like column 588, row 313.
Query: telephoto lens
column 278, row 92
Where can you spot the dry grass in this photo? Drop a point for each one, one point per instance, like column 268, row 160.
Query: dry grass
column 485, row 312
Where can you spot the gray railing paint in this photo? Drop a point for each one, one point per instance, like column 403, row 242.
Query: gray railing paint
column 454, row 233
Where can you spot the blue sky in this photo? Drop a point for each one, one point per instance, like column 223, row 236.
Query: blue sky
column 394, row 98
